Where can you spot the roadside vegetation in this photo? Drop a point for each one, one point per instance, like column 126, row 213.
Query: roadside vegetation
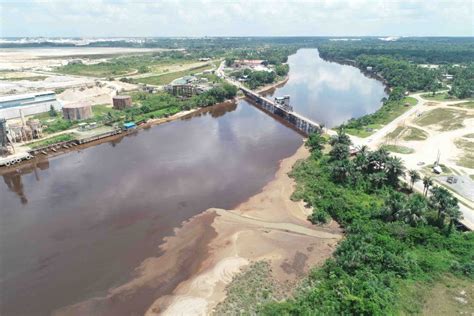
column 399, row 149
column 163, row 104
column 397, row 241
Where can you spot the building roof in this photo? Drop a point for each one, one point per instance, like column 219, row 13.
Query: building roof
column 23, row 96
column 129, row 124
column 76, row 105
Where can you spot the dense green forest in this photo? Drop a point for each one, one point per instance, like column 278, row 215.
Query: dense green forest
column 394, row 236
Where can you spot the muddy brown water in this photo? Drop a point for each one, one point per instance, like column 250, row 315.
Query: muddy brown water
column 78, row 224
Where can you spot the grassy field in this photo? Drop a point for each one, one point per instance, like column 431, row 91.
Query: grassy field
column 413, row 133
column 471, row 135
column 442, row 96
column 52, row 140
column 465, row 105
column 407, row 133
column 383, row 116
column 437, row 298
column 399, row 149
column 30, row 78
column 443, row 119
column 145, row 63
column 249, row 290
column 467, row 158
column 168, row 77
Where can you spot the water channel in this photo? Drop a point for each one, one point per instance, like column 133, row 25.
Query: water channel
column 75, row 225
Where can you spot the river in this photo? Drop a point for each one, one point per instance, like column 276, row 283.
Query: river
column 78, row 224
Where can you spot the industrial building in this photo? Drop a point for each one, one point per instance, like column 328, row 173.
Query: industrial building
column 182, row 90
column 121, row 102
column 77, row 111
column 29, row 104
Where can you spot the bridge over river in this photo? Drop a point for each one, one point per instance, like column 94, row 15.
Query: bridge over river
column 301, row 123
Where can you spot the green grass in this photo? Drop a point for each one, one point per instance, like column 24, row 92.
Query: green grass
column 442, row 96
column 123, row 65
column 467, row 158
column 52, row 140
column 103, row 109
column 250, row 289
column 399, row 149
column 383, row 116
column 442, row 294
column 31, row 78
column 413, row 133
column 407, row 133
column 168, row 77
column 366, row 131
column 443, row 119
column 471, row 135
column 465, row 105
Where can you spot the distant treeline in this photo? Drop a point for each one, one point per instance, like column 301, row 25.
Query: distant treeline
column 424, row 50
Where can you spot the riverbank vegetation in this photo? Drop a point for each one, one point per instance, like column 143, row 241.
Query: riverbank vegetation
column 153, row 106
column 52, row 140
column 397, row 241
column 413, row 64
column 394, row 106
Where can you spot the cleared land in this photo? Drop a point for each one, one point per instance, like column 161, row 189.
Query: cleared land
column 467, row 158
column 408, row 133
column 442, row 119
column 464, row 105
column 168, row 77
column 399, row 149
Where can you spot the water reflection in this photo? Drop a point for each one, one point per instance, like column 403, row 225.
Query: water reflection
column 98, row 212
column 13, row 179
column 329, row 93
column 80, row 223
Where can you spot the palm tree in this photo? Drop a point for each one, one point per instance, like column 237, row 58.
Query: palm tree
column 427, row 182
column 339, row 152
column 340, row 170
column 446, row 204
column 315, row 142
column 377, row 159
column 414, row 176
column 414, row 212
column 340, row 138
column 394, row 168
column 378, row 179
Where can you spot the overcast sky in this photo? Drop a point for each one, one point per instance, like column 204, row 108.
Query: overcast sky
column 100, row 18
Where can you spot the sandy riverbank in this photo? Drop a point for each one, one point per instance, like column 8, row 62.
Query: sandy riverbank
column 195, row 265
column 268, row 226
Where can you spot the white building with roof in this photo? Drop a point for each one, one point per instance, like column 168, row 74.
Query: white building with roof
column 29, row 104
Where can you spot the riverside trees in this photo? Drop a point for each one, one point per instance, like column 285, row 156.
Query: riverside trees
column 393, row 239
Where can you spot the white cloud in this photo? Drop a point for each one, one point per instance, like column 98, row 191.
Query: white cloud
column 235, row 17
